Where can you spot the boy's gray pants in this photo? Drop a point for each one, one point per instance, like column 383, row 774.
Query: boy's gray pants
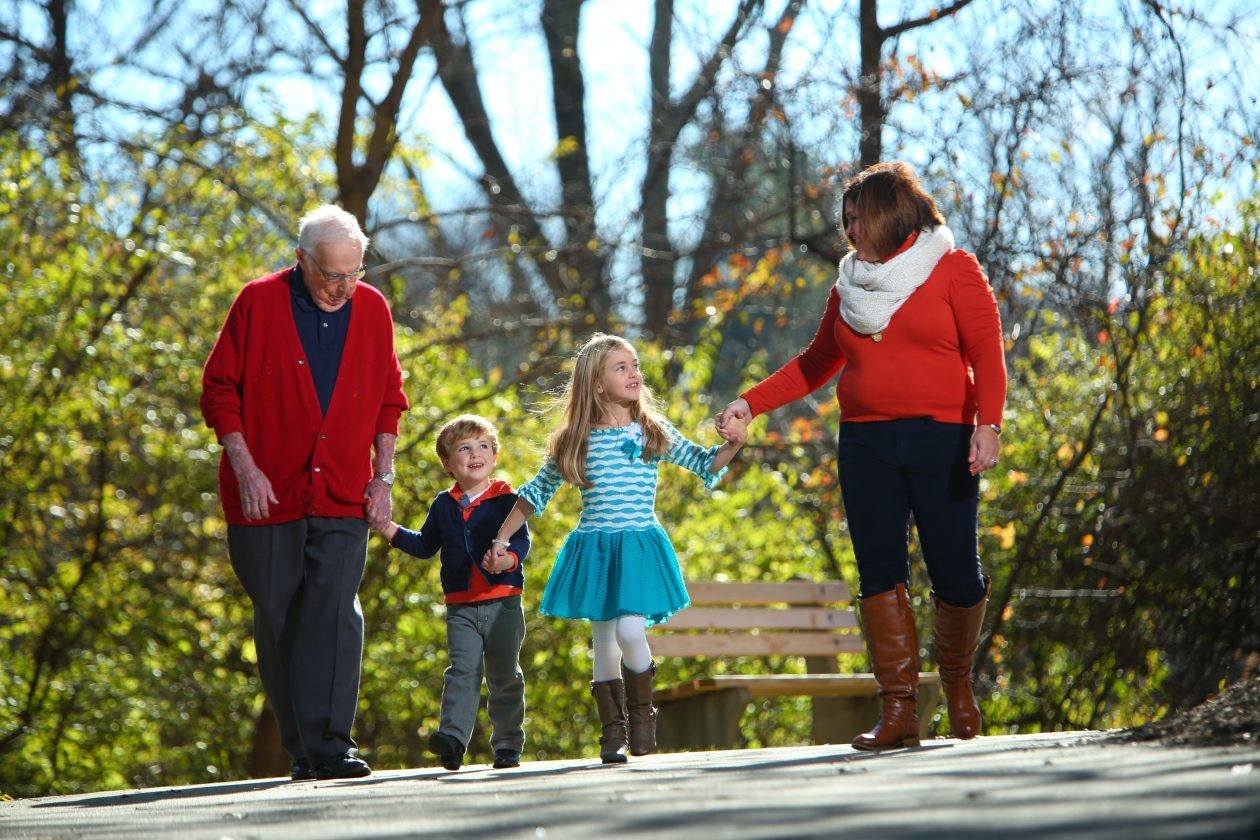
column 485, row 638
column 303, row 579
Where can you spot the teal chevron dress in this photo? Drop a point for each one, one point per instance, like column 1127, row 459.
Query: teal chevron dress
column 618, row 560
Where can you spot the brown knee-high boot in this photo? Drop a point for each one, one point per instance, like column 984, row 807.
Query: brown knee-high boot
column 956, row 632
column 642, row 712
column 610, row 702
column 888, row 624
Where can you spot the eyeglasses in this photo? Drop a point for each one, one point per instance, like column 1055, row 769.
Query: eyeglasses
column 334, row 279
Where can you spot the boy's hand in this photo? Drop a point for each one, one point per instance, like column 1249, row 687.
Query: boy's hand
column 498, row 560
column 388, row 531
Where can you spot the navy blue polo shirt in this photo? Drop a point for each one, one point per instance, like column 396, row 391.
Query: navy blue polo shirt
column 323, row 336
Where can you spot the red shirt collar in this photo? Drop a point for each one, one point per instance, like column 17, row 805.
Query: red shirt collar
column 497, row 487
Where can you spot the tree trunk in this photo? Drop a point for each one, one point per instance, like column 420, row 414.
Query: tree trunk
column 870, row 97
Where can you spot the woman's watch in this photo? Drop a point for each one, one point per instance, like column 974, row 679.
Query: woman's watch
column 503, row 543
column 997, row 430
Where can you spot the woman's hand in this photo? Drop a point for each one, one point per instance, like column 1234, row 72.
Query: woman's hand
column 735, row 431
column 739, row 410
column 985, row 446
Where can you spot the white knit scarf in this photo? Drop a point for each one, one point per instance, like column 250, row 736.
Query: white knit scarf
column 872, row 292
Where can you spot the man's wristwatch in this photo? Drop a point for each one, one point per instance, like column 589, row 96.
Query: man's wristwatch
column 995, row 427
column 387, row 477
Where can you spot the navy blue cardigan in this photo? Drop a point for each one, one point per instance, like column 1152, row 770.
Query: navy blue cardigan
column 464, row 542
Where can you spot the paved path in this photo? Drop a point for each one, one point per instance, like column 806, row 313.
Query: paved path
column 1058, row 784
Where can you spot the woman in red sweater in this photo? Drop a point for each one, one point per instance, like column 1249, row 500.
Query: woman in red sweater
column 913, row 329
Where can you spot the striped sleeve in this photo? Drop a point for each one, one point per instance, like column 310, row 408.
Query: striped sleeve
column 539, row 489
column 693, row 457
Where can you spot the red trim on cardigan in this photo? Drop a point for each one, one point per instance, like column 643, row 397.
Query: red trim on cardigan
column 257, row 382
column 941, row 356
column 479, row 588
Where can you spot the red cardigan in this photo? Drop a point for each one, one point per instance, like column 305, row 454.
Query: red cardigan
column 257, row 382
column 939, row 357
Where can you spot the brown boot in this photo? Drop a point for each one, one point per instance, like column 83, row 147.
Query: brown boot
column 610, row 702
column 642, row 712
column 957, row 629
column 888, row 625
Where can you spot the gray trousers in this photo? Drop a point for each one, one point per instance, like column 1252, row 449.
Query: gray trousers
column 485, row 638
column 303, row 580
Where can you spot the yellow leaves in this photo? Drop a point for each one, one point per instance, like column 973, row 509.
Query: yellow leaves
column 1065, row 454
column 566, row 146
column 1087, row 540
column 1017, row 476
column 1160, row 435
column 1004, row 533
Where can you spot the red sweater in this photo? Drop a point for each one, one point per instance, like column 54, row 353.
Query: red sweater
column 939, row 357
column 257, row 381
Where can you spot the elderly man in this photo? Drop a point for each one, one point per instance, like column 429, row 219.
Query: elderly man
column 301, row 384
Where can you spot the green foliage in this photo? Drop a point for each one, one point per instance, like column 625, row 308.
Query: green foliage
column 1120, row 531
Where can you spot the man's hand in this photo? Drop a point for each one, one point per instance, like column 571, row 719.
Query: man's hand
column 380, row 506
column 256, row 492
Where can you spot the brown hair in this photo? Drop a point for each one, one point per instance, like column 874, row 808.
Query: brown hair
column 891, row 204
column 583, row 406
column 463, row 427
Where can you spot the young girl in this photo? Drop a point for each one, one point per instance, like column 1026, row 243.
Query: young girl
column 617, row 569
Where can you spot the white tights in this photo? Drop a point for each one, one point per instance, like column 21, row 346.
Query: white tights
column 624, row 639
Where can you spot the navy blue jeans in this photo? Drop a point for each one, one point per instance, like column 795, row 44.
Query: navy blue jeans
column 890, row 469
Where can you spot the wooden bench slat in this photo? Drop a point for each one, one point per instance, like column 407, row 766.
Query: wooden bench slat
column 789, row 592
column 786, row 685
column 764, row 644
column 747, row 618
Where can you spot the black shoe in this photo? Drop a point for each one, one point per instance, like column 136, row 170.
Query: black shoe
column 301, row 770
column 344, row 766
column 505, row 758
column 449, row 751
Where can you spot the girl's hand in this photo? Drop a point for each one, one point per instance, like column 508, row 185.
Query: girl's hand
column 389, row 530
column 497, row 560
column 735, row 431
column 984, row 449
column 737, row 410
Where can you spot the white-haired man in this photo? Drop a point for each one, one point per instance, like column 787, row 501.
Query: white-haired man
column 302, row 383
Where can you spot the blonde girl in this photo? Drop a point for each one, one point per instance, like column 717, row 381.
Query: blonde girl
column 617, row 568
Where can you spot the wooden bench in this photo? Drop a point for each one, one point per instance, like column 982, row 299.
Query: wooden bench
column 796, row 618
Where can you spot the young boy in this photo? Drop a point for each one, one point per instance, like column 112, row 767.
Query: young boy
column 484, row 621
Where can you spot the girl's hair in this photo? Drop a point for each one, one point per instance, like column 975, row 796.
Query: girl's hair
column 583, row 406
column 891, row 203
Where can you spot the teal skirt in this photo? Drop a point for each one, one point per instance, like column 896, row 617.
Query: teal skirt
column 600, row 575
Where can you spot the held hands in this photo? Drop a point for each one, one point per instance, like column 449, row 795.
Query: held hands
column 379, row 507
column 497, row 559
column 735, row 431
column 732, row 423
column 984, row 449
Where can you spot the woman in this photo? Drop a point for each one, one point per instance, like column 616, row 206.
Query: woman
column 913, row 329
